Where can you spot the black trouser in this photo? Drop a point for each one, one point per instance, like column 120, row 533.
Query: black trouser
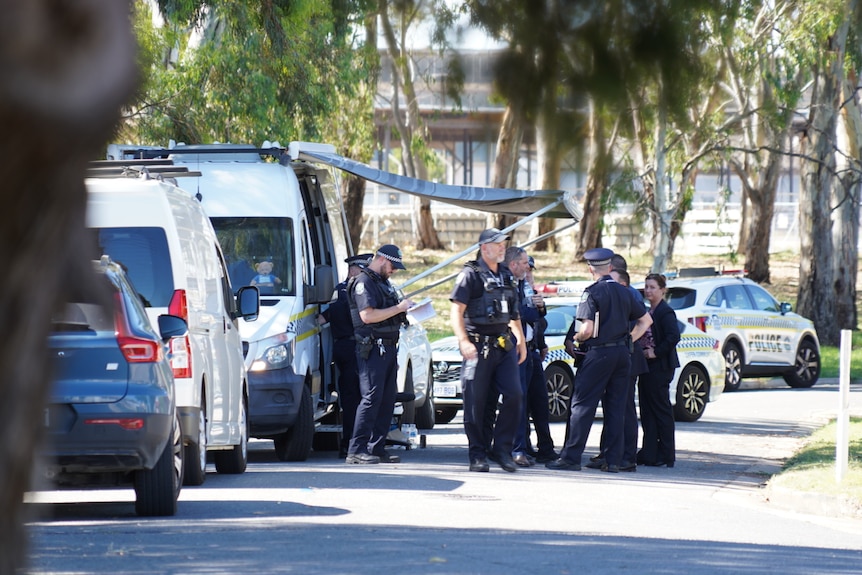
column 536, row 400
column 603, row 375
column 344, row 352
column 496, row 374
column 656, row 416
column 377, row 382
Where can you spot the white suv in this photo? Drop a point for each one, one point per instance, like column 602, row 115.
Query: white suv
column 759, row 336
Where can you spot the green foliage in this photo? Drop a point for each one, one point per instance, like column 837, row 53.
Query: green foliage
column 252, row 71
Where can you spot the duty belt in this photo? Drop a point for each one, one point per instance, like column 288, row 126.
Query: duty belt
column 479, row 338
column 384, row 341
column 612, row 344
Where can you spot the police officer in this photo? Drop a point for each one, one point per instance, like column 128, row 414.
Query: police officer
column 532, row 311
column 604, row 374
column 638, row 366
column 377, row 314
column 344, row 350
column 485, row 319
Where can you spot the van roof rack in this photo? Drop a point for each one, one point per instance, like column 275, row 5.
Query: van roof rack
column 146, row 153
column 144, row 168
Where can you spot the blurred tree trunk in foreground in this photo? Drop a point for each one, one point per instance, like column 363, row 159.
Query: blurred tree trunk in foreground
column 67, row 67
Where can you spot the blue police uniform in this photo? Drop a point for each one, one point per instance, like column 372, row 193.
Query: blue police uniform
column 492, row 301
column 630, row 426
column 604, row 373
column 378, row 369
column 533, row 385
column 344, row 353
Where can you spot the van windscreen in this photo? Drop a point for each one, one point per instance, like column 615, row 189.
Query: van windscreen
column 259, row 252
column 143, row 253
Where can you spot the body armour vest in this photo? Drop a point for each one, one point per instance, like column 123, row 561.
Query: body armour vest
column 499, row 297
column 388, row 328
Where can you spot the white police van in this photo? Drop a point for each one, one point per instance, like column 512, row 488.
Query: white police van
column 281, row 226
column 165, row 242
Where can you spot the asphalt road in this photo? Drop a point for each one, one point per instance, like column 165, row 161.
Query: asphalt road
column 709, row 514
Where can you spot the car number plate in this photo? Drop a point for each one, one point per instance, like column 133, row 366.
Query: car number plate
column 444, row 390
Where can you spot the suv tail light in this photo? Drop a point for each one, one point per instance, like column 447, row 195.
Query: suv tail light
column 134, row 348
column 698, row 321
column 181, row 357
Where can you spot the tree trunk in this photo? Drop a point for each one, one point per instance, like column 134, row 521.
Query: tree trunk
column 845, row 233
column 761, row 201
column 590, row 227
column 59, row 102
column 663, row 207
column 354, row 198
column 411, row 130
column 816, row 299
column 506, row 163
column 550, row 163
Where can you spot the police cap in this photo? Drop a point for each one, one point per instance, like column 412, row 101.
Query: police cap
column 359, row 260
column 599, row 256
column 492, row 236
column 393, row 254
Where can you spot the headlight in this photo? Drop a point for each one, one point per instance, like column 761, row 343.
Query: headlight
column 276, row 353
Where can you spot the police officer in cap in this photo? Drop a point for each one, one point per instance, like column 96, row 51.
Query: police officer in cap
column 344, row 350
column 606, row 334
column 485, row 319
column 377, row 313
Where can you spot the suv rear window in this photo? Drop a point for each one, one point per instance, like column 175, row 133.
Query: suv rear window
column 143, row 254
column 680, row 297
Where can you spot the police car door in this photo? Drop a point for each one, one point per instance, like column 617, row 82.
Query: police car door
column 771, row 341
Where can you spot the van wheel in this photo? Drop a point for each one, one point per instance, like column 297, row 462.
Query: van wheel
column 295, row 443
column 157, row 489
column 196, row 451
column 234, row 461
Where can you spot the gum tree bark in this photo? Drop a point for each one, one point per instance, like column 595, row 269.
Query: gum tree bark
column 816, row 297
column 67, row 67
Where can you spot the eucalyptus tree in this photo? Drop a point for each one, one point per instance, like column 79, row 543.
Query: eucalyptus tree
column 398, row 20
column 248, row 71
column 764, row 87
column 605, row 52
column 823, row 34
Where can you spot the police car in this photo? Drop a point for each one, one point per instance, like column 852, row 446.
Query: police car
column 698, row 380
column 758, row 335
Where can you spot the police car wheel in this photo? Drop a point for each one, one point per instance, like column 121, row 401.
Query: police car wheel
column 445, row 413
column 559, row 383
column 692, row 393
column 733, row 367
column 806, row 368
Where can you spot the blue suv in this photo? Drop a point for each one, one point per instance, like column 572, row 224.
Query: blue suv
column 111, row 417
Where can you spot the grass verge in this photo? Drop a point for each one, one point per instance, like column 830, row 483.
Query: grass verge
column 557, row 266
column 812, row 468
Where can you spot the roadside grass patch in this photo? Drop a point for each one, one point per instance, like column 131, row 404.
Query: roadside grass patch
column 812, row 468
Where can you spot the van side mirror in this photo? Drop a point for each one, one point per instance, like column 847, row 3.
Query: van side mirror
column 324, row 285
column 172, row 326
column 248, row 302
